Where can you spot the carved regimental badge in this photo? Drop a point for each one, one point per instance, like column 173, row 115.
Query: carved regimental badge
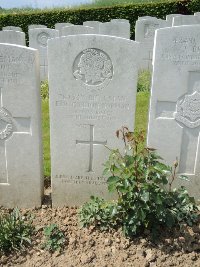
column 93, row 68
column 188, row 110
column 6, row 124
column 42, row 38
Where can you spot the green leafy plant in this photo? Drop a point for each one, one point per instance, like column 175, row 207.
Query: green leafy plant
column 15, row 231
column 143, row 184
column 97, row 212
column 54, row 238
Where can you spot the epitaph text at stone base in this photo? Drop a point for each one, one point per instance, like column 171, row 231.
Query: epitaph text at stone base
column 92, row 81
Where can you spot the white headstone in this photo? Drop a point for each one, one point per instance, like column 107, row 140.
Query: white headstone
column 185, row 20
column 118, row 29
column 77, row 29
column 38, row 38
column 146, row 17
column 174, row 117
column 36, row 26
column 120, row 20
column 12, row 37
column 92, row 81
column 59, row 26
column 12, row 28
column 93, row 24
column 169, row 18
column 21, row 181
column 144, row 33
column 197, row 14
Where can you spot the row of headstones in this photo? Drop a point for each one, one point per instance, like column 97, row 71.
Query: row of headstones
column 145, row 31
column 92, row 88
column 38, row 37
column 116, row 27
column 40, row 34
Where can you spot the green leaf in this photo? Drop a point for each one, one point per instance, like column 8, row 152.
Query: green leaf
column 113, row 179
column 106, row 171
column 112, row 187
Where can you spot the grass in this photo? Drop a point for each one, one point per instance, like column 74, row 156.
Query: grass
column 141, row 117
column 46, row 138
column 144, row 80
column 142, row 106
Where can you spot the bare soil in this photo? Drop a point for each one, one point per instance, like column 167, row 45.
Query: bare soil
column 93, row 248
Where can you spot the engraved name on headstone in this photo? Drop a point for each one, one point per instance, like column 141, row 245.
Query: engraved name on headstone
column 174, row 116
column 92, row 81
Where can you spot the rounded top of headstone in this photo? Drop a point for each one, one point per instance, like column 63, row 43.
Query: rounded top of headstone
column 77, row 29
column 12, row 28
column 36, row 26
column 120, row 20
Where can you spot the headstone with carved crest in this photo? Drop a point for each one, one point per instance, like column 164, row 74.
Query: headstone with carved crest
column 38, row 38
column 174, row 116
column 92, row 81
column 21, row 181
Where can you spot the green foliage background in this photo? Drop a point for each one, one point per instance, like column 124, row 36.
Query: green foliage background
column 78, row 15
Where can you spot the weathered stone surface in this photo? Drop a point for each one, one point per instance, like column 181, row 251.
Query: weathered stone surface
column 185, row 20
column 93, row 24
column 92, row 80
column 144, row 33
column 146, row 17
column 12, row 28
column 36, row 26
column 38, row 38
column 174, row 116
column 12, row 37
column 77, row 29
column 120, row 20
column 170, row 17
column 119, row 29
column 21, row 181
column 59, row 26
column 145, row 28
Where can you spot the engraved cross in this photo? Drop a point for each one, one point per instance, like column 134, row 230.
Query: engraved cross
column 44, row 65
column 186, row 112
column 8, row 126
column 91, row 143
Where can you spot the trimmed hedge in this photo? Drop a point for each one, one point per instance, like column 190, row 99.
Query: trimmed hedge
column 77, row 16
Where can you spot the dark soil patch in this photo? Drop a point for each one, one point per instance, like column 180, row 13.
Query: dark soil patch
column 93, row 248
